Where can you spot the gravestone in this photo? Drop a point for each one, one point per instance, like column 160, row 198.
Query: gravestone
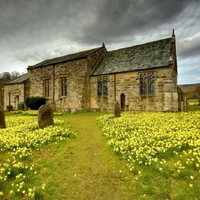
column 73, row 110
column 117, row 109
column 2, row 119
column 45, row 116
column 182, row 108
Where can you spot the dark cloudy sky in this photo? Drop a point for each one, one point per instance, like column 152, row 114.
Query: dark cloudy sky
column 34, row 30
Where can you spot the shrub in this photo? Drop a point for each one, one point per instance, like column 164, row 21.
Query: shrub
column 35, row 102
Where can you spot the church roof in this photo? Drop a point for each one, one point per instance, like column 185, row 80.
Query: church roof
column 145, row 56
column 19, row 79
column 65, row 58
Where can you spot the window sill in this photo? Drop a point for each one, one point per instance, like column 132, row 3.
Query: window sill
column 147, row 95
column 102, row 96
column 62, row 97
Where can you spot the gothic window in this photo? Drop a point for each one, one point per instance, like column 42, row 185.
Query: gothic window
column 147, row 84
column 99, row 87
column 143, row 85
column 63, row 86
column 46, row 87
column 105, row 87
column 151, row 85
column 102, row 86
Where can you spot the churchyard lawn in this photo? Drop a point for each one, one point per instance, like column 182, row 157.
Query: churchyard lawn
column 96, row 156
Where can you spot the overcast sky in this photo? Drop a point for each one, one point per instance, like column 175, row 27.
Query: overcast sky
column 34, row 30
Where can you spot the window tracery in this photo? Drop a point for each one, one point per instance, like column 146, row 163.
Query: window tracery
column 102, row 86
column 147, row 83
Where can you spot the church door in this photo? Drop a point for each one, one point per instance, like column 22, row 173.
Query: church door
column 122, row 97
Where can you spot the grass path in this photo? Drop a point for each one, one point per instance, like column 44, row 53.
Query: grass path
column 86, row 168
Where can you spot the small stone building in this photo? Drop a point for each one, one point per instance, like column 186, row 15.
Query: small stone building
column 140, row 78
column 15, row 92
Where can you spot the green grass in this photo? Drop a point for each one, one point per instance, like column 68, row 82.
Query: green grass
column 193, row 101
column 86, row 168
column 193, row 105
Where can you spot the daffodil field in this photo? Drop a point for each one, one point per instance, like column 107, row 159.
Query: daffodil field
column 158, row 148
column 167, row 143
column 17, row 142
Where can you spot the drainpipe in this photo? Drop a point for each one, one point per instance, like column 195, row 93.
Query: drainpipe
column 114, row 87
column 53, row 89
column 9, row 98
column 24, row 96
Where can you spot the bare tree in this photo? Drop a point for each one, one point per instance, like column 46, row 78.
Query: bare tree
column 6, row 76
column 14, row 74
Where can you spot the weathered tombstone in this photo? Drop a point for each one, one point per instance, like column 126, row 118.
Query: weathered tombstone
column 45, row 116
column 73, row 110
column 182, row 107
column 21, row 106
column 2, row 119
column 117, row 109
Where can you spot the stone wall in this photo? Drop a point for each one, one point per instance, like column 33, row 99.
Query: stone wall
column 2, row 81
column 15, row 94
column 77, row 73
column 37, row 76
column 128, row 85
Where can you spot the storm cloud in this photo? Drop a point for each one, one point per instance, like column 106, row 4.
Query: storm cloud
column 31, row 31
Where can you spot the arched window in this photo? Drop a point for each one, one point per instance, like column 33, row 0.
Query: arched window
column 105, row 87
column 99, row 87
column 143, row 85
column 151, row 85
column 102, row 86
column 147, row 84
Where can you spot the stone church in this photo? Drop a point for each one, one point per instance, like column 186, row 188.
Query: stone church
column 140, row 78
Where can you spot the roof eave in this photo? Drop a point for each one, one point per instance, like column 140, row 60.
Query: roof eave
column 64, row 61
column 52, row 64
column 134, row 70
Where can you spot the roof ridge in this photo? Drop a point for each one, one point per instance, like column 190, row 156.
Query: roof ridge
column 77, row 53
column 99, row 61
column 19, row 79
column 60, row 59
column 146, row 43
column 149, row 55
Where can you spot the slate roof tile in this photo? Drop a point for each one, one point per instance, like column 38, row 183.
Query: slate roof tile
column 65, row 58
column 19, row 79
column 145, row 56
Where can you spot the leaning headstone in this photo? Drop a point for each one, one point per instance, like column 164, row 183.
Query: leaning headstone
column 117, row 109
column 45, row 116
column 73, row 110
column 182, row 108
column 21, row 106
column 2, row 119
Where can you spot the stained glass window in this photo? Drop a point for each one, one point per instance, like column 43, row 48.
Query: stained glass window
column 105, row 87
column 143, row 85
column 147, row 84
column 99, row 87
column 151, row 85
column 102, row 86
